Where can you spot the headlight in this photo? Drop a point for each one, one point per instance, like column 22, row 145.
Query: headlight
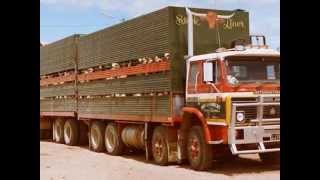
column 240, row 116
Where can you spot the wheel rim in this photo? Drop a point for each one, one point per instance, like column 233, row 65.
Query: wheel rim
column 110, row 139
column 94, row 138
column 58, row 134
column 194, row 149
column 158, row 148
column 67, row 134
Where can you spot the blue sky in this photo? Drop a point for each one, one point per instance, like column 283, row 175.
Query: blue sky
column 61, row 18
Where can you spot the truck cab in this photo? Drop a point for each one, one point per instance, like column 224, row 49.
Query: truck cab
column 234, row 94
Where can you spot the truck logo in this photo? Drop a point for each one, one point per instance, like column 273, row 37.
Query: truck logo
column 213, row 20
column 182, row 20
column 231, row 24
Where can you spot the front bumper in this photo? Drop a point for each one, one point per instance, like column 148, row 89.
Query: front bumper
column 254, row 138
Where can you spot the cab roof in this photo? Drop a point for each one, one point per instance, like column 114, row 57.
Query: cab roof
column 228, row 53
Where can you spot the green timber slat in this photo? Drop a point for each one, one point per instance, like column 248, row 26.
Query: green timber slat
column 58, row 90
column 145, row 36
column 126, row 106
column 159, row 82
column 62, row 105
column 58, row 56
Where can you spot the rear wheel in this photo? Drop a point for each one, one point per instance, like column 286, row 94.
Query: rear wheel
column 113, row 141
column 273, row 157
column 97, row 136
column 200, row 154
column 71, row 132
column 59, row 130
column 53, row 131
column 160, row 146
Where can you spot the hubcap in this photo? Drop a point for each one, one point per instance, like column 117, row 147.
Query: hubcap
column 194, row 148
column 158, row 147
column 110, row 140
column 67, row 134
column 58, row 134
column 94, row 138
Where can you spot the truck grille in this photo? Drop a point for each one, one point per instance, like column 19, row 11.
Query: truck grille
column 250, row 112
column 270, row 112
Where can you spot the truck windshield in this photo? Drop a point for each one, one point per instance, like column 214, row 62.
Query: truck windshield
column 253, row 69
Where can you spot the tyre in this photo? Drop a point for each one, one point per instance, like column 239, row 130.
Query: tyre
column 200, row 154
column 53, row 132
column 59, row 130
column 97, row 136
column 71, row 132
column 113, row 141
column 160, row 146
column 272, row 158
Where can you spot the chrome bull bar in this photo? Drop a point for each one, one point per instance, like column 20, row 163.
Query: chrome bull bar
column 258, row 134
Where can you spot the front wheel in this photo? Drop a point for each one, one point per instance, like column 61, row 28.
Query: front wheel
column 200, row 154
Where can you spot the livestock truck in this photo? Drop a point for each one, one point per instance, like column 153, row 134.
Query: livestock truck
column 184, row 85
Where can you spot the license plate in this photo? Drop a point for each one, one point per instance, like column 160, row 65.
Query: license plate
column 275, row 137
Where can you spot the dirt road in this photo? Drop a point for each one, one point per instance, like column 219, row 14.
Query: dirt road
column 62, row 162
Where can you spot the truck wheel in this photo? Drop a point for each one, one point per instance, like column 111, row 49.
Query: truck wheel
column 53, row 132
column 160, row 146
column 200, row 154
column 272, row 158
column 113, row 141
column 71, row 132
column 58, row 130
column 96, row 136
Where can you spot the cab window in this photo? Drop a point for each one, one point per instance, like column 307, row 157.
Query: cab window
column 193, row 73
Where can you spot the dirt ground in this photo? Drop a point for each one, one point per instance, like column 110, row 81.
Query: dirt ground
column 62, row 162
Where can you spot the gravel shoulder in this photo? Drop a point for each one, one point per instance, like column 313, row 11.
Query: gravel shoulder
column 62, row 162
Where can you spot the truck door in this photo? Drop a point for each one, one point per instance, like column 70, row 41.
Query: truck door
column 196, row 84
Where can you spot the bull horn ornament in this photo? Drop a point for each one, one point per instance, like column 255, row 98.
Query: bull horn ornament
column 225, row 17
column 212, row 18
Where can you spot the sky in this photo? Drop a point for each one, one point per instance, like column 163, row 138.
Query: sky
column 61, row 18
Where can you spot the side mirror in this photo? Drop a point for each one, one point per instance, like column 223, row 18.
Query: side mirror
column 208, row 71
